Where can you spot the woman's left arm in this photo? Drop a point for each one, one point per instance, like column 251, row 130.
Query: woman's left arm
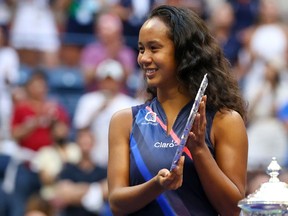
column 223, row 178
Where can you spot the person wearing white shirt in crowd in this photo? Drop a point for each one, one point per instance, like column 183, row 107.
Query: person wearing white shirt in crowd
column 266, row 131
column 34, row 32
column 95, row 109
column 9, row 75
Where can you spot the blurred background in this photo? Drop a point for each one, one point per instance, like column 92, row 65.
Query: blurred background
column 67, row 65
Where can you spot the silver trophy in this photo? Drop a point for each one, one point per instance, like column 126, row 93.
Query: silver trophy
column 270, row 199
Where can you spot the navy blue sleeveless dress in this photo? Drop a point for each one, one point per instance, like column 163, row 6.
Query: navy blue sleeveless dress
column 152, row 149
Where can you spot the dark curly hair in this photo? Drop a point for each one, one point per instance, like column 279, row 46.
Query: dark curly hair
column 198, row 53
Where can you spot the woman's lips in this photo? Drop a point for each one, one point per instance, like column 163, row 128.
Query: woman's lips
column 150, row 73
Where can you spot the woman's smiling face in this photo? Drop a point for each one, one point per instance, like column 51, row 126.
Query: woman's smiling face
column 156, row 54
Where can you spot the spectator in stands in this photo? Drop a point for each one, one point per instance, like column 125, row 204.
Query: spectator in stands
column 132, row 13
column 33, row 117
column 9, row 75
column 263, row 86
column 266, row 132
column 82, row 187
column 49, row 160
column 110, row 44
column 221, row 23
column 34, row 33
column 257, row 47
column 95, row 109
column 246, row 13
column 76, row 19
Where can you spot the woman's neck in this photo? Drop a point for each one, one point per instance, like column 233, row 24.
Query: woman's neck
column 172, row 104
column 173, row 97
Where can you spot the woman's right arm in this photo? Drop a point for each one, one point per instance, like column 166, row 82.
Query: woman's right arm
column 125, row 199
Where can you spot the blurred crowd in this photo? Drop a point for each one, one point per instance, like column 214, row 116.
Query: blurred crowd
column 67, row 65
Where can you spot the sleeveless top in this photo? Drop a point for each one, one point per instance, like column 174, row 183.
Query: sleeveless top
column 152, row 149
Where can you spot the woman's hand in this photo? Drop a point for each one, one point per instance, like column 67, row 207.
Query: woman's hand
column 196, row 139
column 171, row 180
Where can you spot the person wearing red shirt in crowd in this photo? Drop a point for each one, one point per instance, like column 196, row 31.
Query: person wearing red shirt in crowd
column 33, row 117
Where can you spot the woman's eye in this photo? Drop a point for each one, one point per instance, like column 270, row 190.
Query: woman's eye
column 141, row 50
column 154, row 49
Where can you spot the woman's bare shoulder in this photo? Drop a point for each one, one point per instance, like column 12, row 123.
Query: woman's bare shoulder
column 122, row 119
column 228, row 116
column 120, row 126
column 123, row 115
column 228, row 121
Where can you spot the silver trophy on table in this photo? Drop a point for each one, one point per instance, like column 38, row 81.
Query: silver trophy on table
column 270, row 199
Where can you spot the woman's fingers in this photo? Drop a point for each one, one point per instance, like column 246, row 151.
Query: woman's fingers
column 197, row 133
column 172, row 180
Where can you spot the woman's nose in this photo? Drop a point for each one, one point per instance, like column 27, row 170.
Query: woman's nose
column 144, row 58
